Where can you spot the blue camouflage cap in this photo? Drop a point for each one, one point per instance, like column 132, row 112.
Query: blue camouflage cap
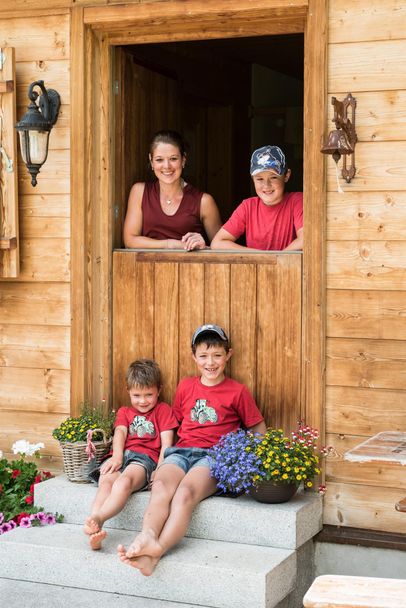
column 268, row 157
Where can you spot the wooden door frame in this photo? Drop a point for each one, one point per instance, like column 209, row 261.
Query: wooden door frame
column 94, row 31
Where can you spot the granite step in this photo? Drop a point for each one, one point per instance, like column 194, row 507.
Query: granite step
column 200, row 572
column 241, row 520
column 15, row 594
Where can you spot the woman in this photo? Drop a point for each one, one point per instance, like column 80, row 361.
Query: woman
column 169, row 213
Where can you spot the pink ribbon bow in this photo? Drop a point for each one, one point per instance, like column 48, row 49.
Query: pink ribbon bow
column 90, row 447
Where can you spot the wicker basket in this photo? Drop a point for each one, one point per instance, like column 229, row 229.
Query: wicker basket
column 75, row 459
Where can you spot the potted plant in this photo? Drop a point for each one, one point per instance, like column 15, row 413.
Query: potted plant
column 269, row 467
column 84, row 438
column 18, row 479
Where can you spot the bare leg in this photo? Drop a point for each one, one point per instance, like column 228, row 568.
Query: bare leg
column 195, row 486
column 92, row 523
column 164, row 486
column 132, row 479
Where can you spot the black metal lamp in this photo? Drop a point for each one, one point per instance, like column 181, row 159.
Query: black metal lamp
column 35, row 126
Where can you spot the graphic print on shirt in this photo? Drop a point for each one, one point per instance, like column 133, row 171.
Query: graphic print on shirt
column 140, row 426
column 203, row 412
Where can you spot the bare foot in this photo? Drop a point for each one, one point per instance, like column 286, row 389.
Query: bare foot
column 144, row 563
column 91, row 525
column 96, row 539
column 146, row 543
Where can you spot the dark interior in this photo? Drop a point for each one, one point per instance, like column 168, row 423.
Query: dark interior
column 226, row 97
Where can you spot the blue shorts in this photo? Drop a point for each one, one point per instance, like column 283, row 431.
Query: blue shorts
column 129, row 457
column 186, row 458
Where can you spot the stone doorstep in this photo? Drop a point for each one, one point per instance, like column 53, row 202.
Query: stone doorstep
column 15, row 594
column 241, row 520
column 203, row 572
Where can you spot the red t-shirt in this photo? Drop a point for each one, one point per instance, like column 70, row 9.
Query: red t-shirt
column 206, row 413
column 144, row 430
column 270, row 228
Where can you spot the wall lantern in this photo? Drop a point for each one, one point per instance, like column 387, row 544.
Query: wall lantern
column 35, row 126
column 341, row 141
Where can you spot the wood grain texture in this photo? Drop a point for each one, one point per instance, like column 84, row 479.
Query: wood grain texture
column 381, row 166
column 9, row 216
column 368, row 507
column 366, row 265
column 380, row 115
column 366, row 363
column 364, row 411
column 376, row 66
column 331, row 591
column 361, row 20
column 366, row 314
column 369, row 216
column 173, row 299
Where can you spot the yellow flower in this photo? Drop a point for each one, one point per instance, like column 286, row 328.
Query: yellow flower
column 298, row 477
column 309, row 484
column 284, row 476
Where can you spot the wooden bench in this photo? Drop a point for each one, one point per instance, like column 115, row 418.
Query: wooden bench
column 335, row 591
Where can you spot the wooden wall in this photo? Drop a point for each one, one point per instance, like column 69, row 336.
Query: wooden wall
column 159, row 299
column 35, row 308
column 366, row 261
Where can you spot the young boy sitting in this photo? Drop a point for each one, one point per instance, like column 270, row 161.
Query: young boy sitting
column 272, row 220
column 207, row 407
column 142, row 431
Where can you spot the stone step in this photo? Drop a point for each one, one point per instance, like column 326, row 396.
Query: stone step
column 241, row 520
column 15, row 594
column 200, row 572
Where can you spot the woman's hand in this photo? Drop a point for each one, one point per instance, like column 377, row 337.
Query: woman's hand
column 193, row 240
column 111, row 465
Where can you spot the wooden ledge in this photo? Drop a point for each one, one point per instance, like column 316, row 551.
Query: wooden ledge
column 6, row 86
column 206, row 256
column 363, row 538
column 338, row 591
column 7, row 243
column 401, row 505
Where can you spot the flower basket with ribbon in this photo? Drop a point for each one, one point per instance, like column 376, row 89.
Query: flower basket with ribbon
column 84, row 441
column 78, row 456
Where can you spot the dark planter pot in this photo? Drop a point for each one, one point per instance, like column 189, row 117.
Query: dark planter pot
column 273, row 492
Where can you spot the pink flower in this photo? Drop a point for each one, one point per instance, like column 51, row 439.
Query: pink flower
column 20, row 516
column 322, row 489
column 50, row 519
column 25, row 522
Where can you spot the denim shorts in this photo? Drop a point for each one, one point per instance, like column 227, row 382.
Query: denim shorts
column 186, row 458
column 129, row 457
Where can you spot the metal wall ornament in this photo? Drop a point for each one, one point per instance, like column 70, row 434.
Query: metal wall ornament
column 341, row 141
column 35, row 126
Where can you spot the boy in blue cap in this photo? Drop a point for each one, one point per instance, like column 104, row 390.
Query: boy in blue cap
column 272, row 220
column 206, row 406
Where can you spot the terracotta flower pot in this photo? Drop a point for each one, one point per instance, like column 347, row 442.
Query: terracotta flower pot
column 273, row 492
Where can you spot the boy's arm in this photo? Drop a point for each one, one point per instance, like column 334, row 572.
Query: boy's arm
column 297, row 244
column 167, row 440
column 116, row 460
column 258, row 428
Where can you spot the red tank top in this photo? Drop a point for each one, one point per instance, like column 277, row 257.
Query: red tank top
column 157, row 225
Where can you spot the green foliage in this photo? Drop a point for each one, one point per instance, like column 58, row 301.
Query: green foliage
column 73, row 430
column 17, row 481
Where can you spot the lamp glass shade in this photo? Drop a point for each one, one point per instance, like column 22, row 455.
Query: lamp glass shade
column 34, row 146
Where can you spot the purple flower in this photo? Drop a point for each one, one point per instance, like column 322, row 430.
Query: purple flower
column 50, row 519
column 25, row 522
column 41, row 517
column 6, row 528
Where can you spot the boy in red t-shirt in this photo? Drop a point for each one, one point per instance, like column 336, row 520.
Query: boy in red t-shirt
column 142, row 432
column 272, row 220
column 207, row 407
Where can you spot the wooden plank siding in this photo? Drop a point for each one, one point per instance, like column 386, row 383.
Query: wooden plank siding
column 35, row 311
column 366, row 276
column 249, row 300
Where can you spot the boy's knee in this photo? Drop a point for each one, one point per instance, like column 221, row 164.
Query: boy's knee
column 123, row 484
column 185, row 496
